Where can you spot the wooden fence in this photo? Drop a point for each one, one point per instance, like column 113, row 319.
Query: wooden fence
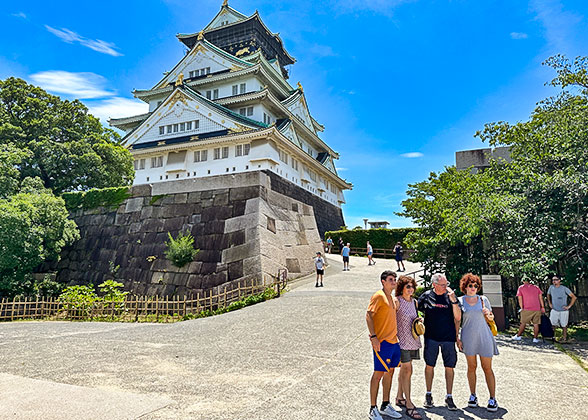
column 387, row 253
column 132, row 308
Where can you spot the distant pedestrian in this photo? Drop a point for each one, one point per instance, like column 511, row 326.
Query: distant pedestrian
column 381, row 323
column 530, row 299
column 557, row 296
column 370, row 253
column 398, row 256
column 341, row 244
column 477, row 338
column 319, row 263
column 442, row 318
column 345, row 253
column 409, row 343
column 329, row 245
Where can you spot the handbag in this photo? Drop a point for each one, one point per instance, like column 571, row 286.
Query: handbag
column 490, row 322
column 418, row 328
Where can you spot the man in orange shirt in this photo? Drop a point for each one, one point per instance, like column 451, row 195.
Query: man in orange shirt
column 381, row 323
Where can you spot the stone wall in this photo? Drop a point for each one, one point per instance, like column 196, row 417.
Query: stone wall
column 328, row 216
column 244, row 229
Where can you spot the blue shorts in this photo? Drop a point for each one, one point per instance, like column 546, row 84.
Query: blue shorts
column 370, row 253
column 390, row 354
column 448, row 352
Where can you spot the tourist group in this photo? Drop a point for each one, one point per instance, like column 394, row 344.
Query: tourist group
column 450, row 323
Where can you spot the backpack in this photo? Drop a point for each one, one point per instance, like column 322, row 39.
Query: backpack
column 545, row 328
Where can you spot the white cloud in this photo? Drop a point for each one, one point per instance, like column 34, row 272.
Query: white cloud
column 518, row 35
column 78, row 85
column 322, row 50
column 412, row 155
column 72, row 37
column 558, row 23
column 385, row 7
column 116, row 108
column 342, row 169
column 20, row 15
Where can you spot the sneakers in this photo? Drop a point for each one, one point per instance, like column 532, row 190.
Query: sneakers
column 473, row 401
column 450, row 404
column 375, row 414
column 428, row 400
column 492, row 405
column 536, row 340
column 517, row 338
column 390, row 412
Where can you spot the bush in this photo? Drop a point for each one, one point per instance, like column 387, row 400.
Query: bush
column 180, row 251
column 379, row 238
column 78, row 300
column 111, row 291
column 103, row 197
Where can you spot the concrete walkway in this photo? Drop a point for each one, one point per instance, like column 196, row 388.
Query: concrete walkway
column 304, row 356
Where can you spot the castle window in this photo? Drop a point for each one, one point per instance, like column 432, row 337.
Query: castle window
column 189, row 125
column 235, row 89
column 182, row 126
column 294, row 164
column 225, row 152
column 217, row 153
column 246, row 148
column 207, row 70
column 242, row 87
column 242, row 111
column 215, row 94
column 266, row 118
column 249, row 111
column 196, row 124
column 161, row 130
column 209, row 94
column 200, row 155
column 139, row 164
column 239, row 150
column 176, row 128
column 169, row 129
column 157, row 162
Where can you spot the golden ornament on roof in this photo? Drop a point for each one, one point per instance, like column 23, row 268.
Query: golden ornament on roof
column 225, row 3
column 200, row 36
column 300, row 87
column 180, row 80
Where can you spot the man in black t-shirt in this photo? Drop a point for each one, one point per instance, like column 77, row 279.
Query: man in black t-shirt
column 442, row 319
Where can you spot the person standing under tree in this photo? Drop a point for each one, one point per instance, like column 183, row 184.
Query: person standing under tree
column 557, row 296
column 398, row 256
column 381, row 323
column 530, row 299
column 329, row 245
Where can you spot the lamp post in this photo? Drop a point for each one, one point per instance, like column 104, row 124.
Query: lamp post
column 365, row 223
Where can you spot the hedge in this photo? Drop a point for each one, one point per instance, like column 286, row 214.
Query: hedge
column 104, row 197
column 379, row 238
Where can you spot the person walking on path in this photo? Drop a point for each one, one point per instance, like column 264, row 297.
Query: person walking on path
column 409, row 344
column 398, row 256
column 476, row 337
column 319, row 263
column 370, row 253
column 381, row 323
column 345, row 251
column 557, row 297
column 329, row 245
column 442, row 318
column 341, row 244
column 530, row 299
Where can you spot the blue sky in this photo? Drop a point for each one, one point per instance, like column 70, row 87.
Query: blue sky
column 400, row 85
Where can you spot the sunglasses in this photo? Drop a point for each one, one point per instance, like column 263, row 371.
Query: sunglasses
column 409, row 286
column 473, row 286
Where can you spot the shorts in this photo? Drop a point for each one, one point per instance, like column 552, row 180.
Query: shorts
column 398, row 258
column 448, row 351
column 345, row 259
column 320, row 271
column 370, row 253
column 409, row 355
column 390, row 354
column 533, row 317
column 559, row 318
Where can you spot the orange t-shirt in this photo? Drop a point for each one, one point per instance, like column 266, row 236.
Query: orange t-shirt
column 384, row 316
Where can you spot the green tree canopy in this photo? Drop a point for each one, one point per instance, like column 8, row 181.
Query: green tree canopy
column 63, row 145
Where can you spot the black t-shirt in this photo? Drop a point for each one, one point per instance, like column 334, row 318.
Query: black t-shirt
column 439, row 321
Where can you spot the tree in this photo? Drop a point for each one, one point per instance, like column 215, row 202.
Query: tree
column 34, row 226
column 64, row 146
column 527, row 217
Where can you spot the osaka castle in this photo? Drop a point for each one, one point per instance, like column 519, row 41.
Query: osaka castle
column 227, row 107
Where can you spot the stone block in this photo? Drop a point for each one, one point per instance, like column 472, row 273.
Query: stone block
column 241, row 222
column 243, row 193
column 194, row 197
column 194, row 281
column 271, row 224
column 194, row 267
column 232, row 239
column 221, row 199
column 205, row 195
column 293, row 265
column 215, row 213
column 240, row 252
column 181, row 198
column 141, row 190
column 146, row 212
column 216, row 226
column 133, row 204
column 180, row 210
column 173, row 224
column 235, row 270
column 239, row 208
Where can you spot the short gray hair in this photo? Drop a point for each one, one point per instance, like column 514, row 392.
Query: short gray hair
column 436, row 277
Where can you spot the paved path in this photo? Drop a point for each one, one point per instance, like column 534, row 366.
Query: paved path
column 304, row 356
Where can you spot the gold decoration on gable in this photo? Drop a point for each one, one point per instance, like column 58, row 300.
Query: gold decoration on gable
column 180, row 80
column 235, row 68
column 199, row 48
column 200, row 36
column 177, row 97
column 238, row 128
column 242, row 51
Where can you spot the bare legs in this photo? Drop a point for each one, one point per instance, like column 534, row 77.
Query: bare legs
column 386, row 379
column 404, row 384
column 486, row 363
column 429, row 374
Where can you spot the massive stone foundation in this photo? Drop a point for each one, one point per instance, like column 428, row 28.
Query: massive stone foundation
column 247, row 226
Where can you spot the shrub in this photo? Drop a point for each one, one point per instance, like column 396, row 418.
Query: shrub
column 78, row 300
column 103, row 197
column 180, row 251
column 379, row 238
column 111, row 291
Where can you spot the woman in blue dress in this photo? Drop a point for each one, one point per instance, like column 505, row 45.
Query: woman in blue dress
column 476, row 338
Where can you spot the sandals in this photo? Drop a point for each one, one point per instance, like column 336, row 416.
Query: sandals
column 401, row 402
column 413, row 413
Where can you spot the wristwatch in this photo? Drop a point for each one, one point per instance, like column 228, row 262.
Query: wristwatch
column 454, row 303
column 373, row 336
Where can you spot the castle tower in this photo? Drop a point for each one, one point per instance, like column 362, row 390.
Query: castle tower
column 227, row 107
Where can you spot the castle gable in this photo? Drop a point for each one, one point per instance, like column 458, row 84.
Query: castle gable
column 296, row 104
